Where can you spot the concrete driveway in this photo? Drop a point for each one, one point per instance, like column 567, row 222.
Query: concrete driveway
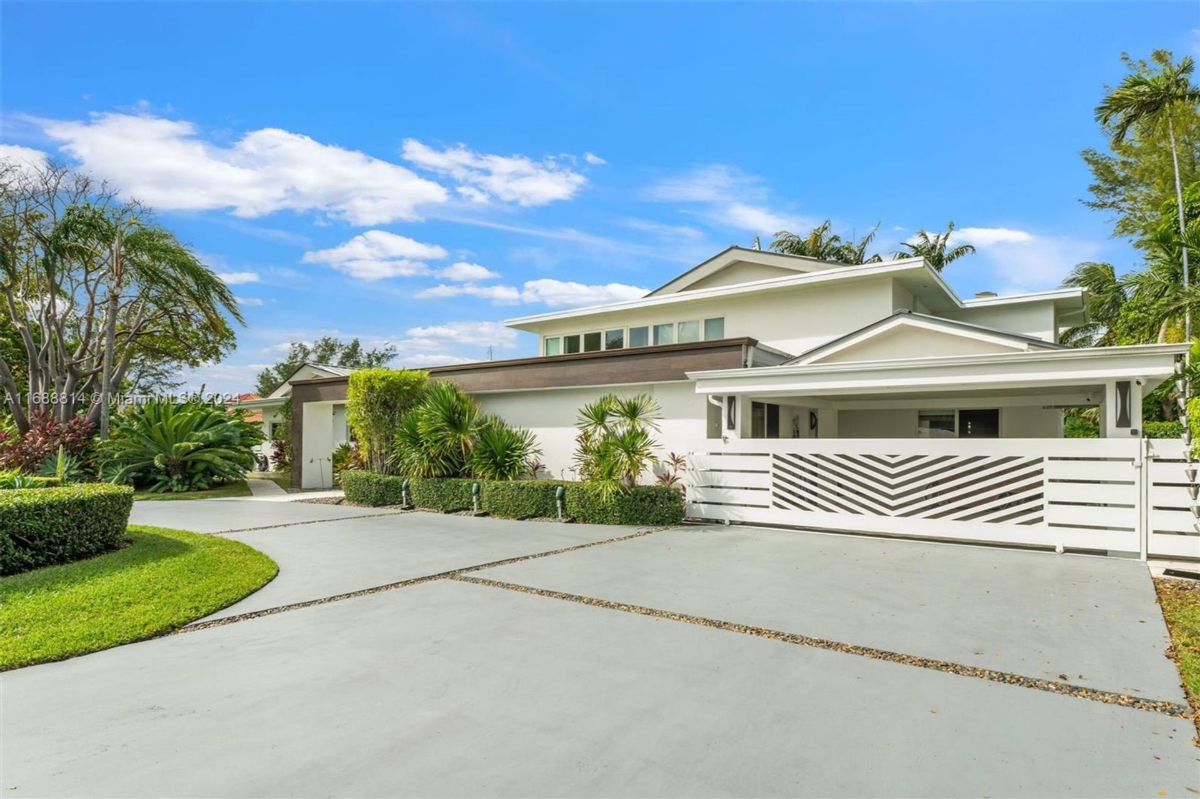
column 696, row 661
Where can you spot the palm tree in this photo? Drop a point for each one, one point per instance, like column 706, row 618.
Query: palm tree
column 822, row 243
column 935, row 249
column 1149, row 99
column 1107, row 295
column 1159, row 292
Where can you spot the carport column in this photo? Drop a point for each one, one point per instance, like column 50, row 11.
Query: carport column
column 735, row 418
column 1121, row 410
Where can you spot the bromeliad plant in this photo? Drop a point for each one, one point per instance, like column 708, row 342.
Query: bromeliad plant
column 448, row 435
column 615, row 445
column 162, row 446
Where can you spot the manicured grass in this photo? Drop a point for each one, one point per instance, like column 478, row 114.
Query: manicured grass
column 162, row 580
column 1180, row 600
column 238, row 489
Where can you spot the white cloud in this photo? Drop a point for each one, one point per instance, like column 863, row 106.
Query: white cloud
column 594, row 159
column 499, row 295
column 988, row 236
column 1022, row 261
column 554, row 293
column 250, row 302
column 725, row 196
column 238, row 278
column 376, row 255
column 464, row 271
column 481, row 334
column 483, row 177
column 167, row 164
column 561, row 294
column 24, row 158
column 426, row 359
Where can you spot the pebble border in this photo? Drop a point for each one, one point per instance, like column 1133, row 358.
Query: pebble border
column 256, row 614
column 977, row 672
column 309, row 521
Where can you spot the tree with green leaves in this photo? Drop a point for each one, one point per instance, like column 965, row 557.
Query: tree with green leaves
column 935, row 249
column 1107, row 298
column 93, row 286
column 1152, row 98
column 825, row 245
column 328, row 351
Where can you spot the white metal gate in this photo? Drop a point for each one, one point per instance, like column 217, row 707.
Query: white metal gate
column 1095, row 494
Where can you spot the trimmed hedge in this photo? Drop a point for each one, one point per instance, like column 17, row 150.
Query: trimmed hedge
column 656, row 505
column 522, row 499
column 45, row 526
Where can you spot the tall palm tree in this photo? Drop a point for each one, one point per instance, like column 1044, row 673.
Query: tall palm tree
column 1159, row 292
column 822, row 243
column 1107, row 295
column 1150, row 99
column 935, row 249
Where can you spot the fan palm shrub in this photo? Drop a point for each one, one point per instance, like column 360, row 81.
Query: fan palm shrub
column 503, row 453
column 615, row 444
column 162, row 446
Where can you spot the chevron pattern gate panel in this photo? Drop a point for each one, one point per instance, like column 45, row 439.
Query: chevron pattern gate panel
column 999, row 489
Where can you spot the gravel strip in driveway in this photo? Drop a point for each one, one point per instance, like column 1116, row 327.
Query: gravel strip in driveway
column 226, row 515
column 1087, row 621
column 451, row 689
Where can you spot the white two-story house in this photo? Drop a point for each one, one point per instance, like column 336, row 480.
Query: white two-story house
column 777, row 363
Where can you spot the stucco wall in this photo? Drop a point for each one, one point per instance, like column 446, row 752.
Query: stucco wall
column 1029, row 318
column 793, row 320
column 912, row 342
column 551, row 415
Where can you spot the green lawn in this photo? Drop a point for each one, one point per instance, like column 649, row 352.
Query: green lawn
column 284, row 481
column 1180, row 600
column 238, row 489
column 162, row 580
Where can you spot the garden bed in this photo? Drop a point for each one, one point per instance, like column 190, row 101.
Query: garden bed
column 1180, row 601
column 161, row 580
column 227, row 491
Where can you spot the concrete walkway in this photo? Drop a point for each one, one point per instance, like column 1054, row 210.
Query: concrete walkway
column 567, row 674
column 263, row 487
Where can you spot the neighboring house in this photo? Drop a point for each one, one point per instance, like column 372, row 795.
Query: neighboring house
column 753, row 345
column 266, row 410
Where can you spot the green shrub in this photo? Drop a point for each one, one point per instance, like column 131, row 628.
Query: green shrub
column 45, row 526
column 522, row 499
column 15, row 478
column 1162, row 429
column 1079, row 427
column 377, row 400
column 189, row 446
column 446, row 494
column 640, row 505
column 46, row 482
column 368, row 488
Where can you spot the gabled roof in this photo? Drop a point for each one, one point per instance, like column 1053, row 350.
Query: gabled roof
column 741, row 255
column 319, row 369
column 1002, row 340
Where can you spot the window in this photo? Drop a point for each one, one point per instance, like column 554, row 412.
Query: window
column 275, row 428
column 935, row 424
column 979, row 423
column 553, row 346
column 570, row 344
column 591, row 342
column 714, row 328
column 614, row 339
column 689, row 331
column 664, row 334
column 639, row 336
column 970, row 423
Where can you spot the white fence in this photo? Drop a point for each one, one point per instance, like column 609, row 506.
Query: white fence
column 1111, row 495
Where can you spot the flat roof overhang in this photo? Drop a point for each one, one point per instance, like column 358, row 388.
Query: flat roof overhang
column 1028, row 372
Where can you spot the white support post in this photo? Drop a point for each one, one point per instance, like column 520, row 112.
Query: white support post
column 1121, row 410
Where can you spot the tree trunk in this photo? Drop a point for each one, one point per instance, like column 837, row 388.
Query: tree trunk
column 1187, row 308
column 110, row 334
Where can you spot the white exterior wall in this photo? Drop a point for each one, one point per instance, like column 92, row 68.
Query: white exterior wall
column 551, row 413
column 1036, row 319
column 790, row 319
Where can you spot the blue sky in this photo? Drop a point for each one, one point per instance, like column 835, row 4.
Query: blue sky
column 418, row 173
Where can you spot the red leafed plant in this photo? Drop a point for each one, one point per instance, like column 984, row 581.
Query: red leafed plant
column 46, row 434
